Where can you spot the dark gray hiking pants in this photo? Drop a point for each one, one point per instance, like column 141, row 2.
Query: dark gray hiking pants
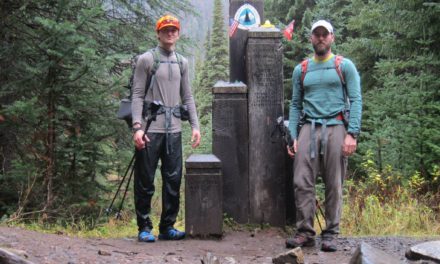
column 331, row 165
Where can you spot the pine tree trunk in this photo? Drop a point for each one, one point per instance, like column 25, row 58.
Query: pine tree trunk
column 50, row 145
column 50, row 139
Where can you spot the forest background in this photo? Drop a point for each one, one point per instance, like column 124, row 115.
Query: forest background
column 63, row 67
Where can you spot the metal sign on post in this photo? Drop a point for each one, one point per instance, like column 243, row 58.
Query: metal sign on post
column 243, row 15
column 247, row 17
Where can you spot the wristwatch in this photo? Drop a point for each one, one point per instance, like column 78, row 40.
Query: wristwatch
column 136, row 127
column 354, row 135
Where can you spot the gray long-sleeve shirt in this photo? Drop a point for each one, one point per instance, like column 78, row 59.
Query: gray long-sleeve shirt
column 169, row 86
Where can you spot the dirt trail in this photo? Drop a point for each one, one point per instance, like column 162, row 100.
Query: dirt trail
column 241, row 246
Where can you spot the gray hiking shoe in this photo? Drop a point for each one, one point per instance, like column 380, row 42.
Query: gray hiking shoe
column 329, row 244
column 300, row 240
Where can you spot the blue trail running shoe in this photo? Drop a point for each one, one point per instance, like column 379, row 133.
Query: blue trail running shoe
column 172, row 234
column 145, row 236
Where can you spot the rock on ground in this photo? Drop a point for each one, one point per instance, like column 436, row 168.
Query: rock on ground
column 294, row 256
column 428, row 251
column 366, row 254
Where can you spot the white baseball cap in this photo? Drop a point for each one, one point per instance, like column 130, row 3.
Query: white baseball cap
column 322, row 23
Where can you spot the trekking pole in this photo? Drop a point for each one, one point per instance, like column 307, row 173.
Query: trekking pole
column 320, row 209
column 109, row 209
column 317, row 215
column 319, row 222
column 118, row 214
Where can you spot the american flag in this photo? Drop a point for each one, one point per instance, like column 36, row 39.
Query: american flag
column 288, row 31
column 233, row 25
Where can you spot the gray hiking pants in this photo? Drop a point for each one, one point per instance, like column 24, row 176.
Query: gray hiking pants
column 329, row 162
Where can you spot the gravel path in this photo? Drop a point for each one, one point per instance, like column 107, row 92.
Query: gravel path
column 235, row 247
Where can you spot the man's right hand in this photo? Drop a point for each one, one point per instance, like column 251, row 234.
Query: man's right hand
column 291, row 150
column 140, row 139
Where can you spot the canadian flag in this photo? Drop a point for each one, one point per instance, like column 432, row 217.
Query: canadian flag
column 288, row 31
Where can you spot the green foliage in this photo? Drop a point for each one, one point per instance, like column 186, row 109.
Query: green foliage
column 395, row 183
column 210, row 68
column 393, row 45
column 61, row 79
column 403, row 216
column 384, row 203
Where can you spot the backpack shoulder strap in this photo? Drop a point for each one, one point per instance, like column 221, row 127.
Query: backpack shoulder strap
column 180, row 62
column 156, row 60
column 156, row 63
column 338, row 61
column 304, row 65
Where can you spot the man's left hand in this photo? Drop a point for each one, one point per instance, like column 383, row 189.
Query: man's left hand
column 195, row 138
column 349, row 146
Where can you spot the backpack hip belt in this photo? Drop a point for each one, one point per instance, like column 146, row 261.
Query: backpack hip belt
column 178, row 111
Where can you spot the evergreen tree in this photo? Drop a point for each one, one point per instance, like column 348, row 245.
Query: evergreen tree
column 402, row 107
column 59, row 95
column 218, row 63
column 215, row 67
column 393, row 44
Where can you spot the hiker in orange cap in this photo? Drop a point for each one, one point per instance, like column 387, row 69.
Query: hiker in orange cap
column 161, row 76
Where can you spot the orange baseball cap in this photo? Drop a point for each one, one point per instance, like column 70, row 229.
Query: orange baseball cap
column 167, row 21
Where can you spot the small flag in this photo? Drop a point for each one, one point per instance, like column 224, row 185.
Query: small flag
column 288, row 31
column 233, row 25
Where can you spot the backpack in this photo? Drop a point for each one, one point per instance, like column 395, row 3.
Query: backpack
column 124, row 111
column 338, row 60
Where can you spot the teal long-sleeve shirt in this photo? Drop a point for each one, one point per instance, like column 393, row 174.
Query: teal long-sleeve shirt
column 324, row 95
